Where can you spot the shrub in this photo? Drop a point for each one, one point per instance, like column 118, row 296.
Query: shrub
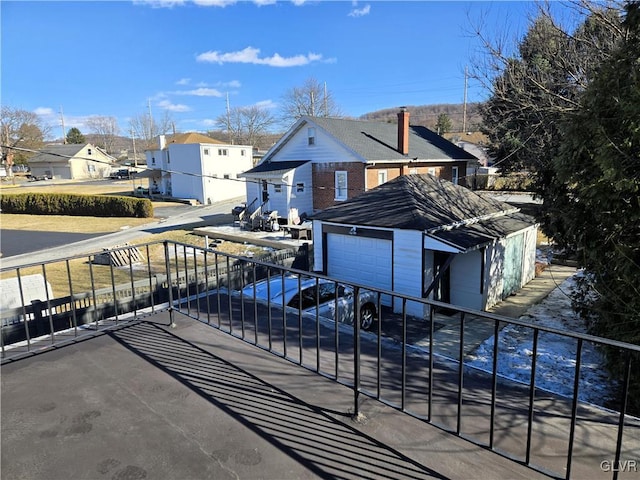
column 76, row 205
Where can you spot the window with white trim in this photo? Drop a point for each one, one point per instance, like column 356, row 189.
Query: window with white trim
column 277, row 188
column 223, row 152
column 382, row 177
column 311, row 135
column 206, row 151
column 454, row 175
column 341, row 185
column 299, row 187
column 431, row 171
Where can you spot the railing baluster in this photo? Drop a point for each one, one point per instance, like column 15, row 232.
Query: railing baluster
column 300, row 318
column 623, row 411
column 133, row 283
column 186, row 279
column 195, row 272
column 532, row 394
column 242, row 331
column 74, row 316
column 494, row 381
column 284, row 316
column 403, row 399
column 151, row 289
column 269, row 319
column 93, row 291
column 218, row 301
column 113, row 289
column 24, row 311
column 460, row 375
column 255, row 306
column 179, row 293
column 49, row 314
column 229, row 282
column 574, row 407
column 431, row 332
column 379, row 347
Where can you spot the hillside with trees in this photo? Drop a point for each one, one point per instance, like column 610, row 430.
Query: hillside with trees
column 429, row 116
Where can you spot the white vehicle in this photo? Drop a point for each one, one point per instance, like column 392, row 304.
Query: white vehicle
column 309, row 297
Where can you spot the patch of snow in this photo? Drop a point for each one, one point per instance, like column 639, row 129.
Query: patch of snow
column 556, row 354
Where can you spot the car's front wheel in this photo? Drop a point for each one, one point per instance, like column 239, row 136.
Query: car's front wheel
column 367, row 316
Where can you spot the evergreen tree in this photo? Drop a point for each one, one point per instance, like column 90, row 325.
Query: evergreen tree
column 598, row 211
column 75, row 136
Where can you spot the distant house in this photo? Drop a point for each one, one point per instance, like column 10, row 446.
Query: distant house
column 322, row 162
column 426, row 237
column 72, row 161
column 194, row 166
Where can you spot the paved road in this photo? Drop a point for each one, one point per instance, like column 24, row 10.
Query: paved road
column 50, row 248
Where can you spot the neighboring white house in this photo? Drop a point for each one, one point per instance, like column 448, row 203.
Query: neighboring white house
column 194, row 166
column 71, row 161
column 426, row 237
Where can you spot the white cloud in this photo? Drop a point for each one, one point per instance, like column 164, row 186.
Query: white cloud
column 173, row 107
column 214, row 3
column 183, row 81
column 201, row 92
column 44, row 111
column 252, row 55
column 266, row 104
column 360, row 12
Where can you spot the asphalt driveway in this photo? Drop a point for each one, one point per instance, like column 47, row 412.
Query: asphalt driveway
column 18, row 242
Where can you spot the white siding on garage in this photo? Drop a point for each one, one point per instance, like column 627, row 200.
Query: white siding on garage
column 407, row 269
column 466, row 275
column 363, row 260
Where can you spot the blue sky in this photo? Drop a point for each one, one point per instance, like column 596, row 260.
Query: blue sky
column 114, row 58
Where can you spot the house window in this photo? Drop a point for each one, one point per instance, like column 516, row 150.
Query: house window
column 223, row 152
column 431, row 171
column 277, row 188
column 413, row 171
column 382, row 177
column 311, row 135
column 454, row 175
column 153, row 160
column 299, row 187
column 243, row 152
column 91, row 168
column 88, row 151
column 206, row 151
column 341, row 185
column 226, row 176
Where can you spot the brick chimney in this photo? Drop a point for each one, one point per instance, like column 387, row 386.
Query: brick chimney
column 403, row 131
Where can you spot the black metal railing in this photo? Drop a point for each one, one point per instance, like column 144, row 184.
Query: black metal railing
column 407, row 361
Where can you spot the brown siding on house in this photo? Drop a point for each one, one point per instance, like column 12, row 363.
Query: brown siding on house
column 323, row 180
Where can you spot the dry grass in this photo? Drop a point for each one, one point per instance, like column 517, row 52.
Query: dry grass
column 62, row 223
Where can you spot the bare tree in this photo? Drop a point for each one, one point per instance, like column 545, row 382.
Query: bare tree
column 107, row 128
column 246, row 125
column 20, row 129
column 147, row 128
column 312, row 98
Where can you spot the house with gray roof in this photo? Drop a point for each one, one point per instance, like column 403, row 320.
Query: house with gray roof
column 429, row 238
column 320, row 162
column 71, row 161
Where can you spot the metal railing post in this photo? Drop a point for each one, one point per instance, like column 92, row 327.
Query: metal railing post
column 356, row 352
column 167, row 264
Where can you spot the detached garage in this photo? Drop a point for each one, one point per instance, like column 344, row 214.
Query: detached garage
column 422, row 236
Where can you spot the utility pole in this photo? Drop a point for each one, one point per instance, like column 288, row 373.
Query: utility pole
column 326, row 109
column 64, row 134
column 150, row 121
column 464, row 107
column 135, row 156
column 229, row 121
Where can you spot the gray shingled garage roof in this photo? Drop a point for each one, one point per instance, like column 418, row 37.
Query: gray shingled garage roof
column 426, row 203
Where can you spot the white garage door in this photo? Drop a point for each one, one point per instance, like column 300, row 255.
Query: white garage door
column 360, row 259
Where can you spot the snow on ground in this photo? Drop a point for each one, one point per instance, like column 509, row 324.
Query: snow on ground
column 556, row 361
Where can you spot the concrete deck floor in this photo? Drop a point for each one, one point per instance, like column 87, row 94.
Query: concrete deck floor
column 148, row 401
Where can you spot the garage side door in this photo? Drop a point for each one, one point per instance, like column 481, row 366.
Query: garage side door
column 360, row 259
